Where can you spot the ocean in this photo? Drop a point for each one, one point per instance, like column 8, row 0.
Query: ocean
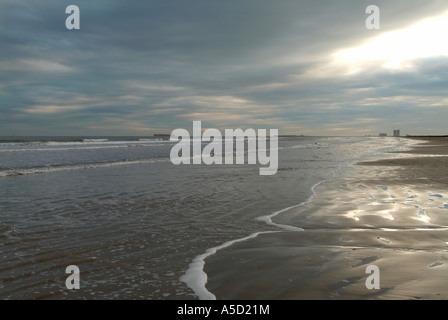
column 138, row 226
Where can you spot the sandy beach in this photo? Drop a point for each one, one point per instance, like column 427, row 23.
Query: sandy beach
column 397, row 222
column 430, row 160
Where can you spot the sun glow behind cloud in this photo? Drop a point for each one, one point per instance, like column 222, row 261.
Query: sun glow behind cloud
column 396, row 50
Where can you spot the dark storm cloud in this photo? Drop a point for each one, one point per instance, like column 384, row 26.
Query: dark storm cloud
column 144, row 66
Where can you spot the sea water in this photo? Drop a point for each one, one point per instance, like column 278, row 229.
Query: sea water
column 137, row 226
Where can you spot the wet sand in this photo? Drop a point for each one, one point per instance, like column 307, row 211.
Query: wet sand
column 430, row 160
column 398, row 223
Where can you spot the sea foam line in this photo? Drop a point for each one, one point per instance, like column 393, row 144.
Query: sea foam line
column 64, row 146
column 196, row 278
column 19, row 172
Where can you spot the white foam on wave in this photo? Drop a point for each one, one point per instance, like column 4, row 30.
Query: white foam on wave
column 196, row 278
column 20, row 172
column 268, row 218
column 95, row 140
column 101, row 142
column 74, row 145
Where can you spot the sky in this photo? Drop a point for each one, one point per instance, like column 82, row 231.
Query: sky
column 303, row 67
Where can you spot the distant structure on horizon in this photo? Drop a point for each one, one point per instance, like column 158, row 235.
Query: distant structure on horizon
column 383, row 134
column 396, row 133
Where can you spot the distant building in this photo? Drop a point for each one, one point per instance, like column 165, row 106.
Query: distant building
column 396, row 133
column 383, row 134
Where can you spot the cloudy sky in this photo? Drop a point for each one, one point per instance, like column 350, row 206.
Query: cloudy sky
column 303, row 67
